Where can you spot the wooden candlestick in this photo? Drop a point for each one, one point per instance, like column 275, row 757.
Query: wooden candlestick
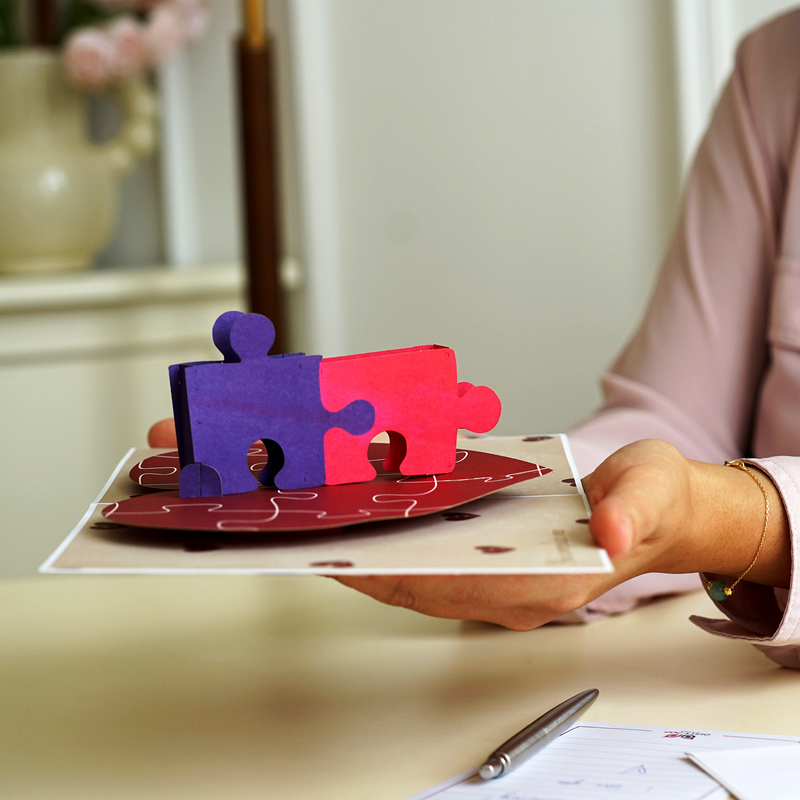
column 44, row 21
column 260, row 174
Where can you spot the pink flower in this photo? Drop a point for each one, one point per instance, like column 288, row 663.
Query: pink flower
column 195, row 22
column 125, row 5
column 125, row 47
column 165, row 32
column 130, row 50
column 187, row 6
column 89, row 58
column 195, row 17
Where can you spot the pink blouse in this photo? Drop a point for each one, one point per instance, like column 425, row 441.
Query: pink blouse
column 715, row 367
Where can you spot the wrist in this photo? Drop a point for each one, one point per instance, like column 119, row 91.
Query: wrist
column 728, row 523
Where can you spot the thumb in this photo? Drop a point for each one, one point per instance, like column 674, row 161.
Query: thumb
column 624, row 509
column 639, row 494
column 612, row 527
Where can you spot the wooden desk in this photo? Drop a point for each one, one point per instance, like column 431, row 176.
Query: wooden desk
column 211, row 687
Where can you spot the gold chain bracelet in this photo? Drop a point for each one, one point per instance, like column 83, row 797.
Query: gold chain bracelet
column 718, row 590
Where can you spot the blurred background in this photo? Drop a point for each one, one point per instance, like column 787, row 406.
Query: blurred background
column 499, row 176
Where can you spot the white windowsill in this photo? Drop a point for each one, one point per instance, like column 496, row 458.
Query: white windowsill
column 113, row 314
column 117, row 287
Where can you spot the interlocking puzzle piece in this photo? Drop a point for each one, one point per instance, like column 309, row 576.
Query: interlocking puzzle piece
column 222, row 407
column 417, row 400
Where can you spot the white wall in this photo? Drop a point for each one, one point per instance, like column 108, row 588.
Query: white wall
column 505, row 180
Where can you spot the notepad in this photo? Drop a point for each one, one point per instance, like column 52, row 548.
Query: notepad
column 763, row 773
column 599, row 761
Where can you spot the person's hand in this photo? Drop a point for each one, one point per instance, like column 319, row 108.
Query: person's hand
column 652, row 510
column 162, row 434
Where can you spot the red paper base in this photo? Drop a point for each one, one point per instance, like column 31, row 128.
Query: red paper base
column 389, row 496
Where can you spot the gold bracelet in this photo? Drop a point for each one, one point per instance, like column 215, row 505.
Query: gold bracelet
column 717, row 589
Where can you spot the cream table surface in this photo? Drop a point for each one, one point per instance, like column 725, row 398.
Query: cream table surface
column 295, row 687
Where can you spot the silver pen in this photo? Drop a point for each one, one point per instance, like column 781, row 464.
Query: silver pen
column 535, row 736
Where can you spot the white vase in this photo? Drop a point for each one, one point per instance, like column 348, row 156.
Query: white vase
column 58, row 190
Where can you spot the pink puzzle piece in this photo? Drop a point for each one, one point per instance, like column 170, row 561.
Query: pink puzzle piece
column 417, row 400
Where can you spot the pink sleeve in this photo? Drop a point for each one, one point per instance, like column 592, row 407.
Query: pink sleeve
column 692, row 372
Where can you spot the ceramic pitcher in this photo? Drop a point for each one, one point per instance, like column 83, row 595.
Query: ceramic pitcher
column 58, row 190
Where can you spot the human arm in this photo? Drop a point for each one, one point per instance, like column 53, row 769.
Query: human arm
column 715, row 366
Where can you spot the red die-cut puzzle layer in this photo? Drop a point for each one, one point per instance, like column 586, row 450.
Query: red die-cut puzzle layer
column 389, row 496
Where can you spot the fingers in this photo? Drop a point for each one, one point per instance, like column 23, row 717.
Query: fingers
column 641, row 502
column 520, row 602
column 162, row 434
column 386, row 589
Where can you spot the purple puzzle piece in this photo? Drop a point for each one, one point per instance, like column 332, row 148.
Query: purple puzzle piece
column 222, row 407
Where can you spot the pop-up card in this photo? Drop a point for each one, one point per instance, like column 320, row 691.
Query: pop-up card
column 278, row 470
column 535, row 520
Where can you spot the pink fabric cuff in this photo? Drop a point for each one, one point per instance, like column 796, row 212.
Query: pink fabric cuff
column 632, row 593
